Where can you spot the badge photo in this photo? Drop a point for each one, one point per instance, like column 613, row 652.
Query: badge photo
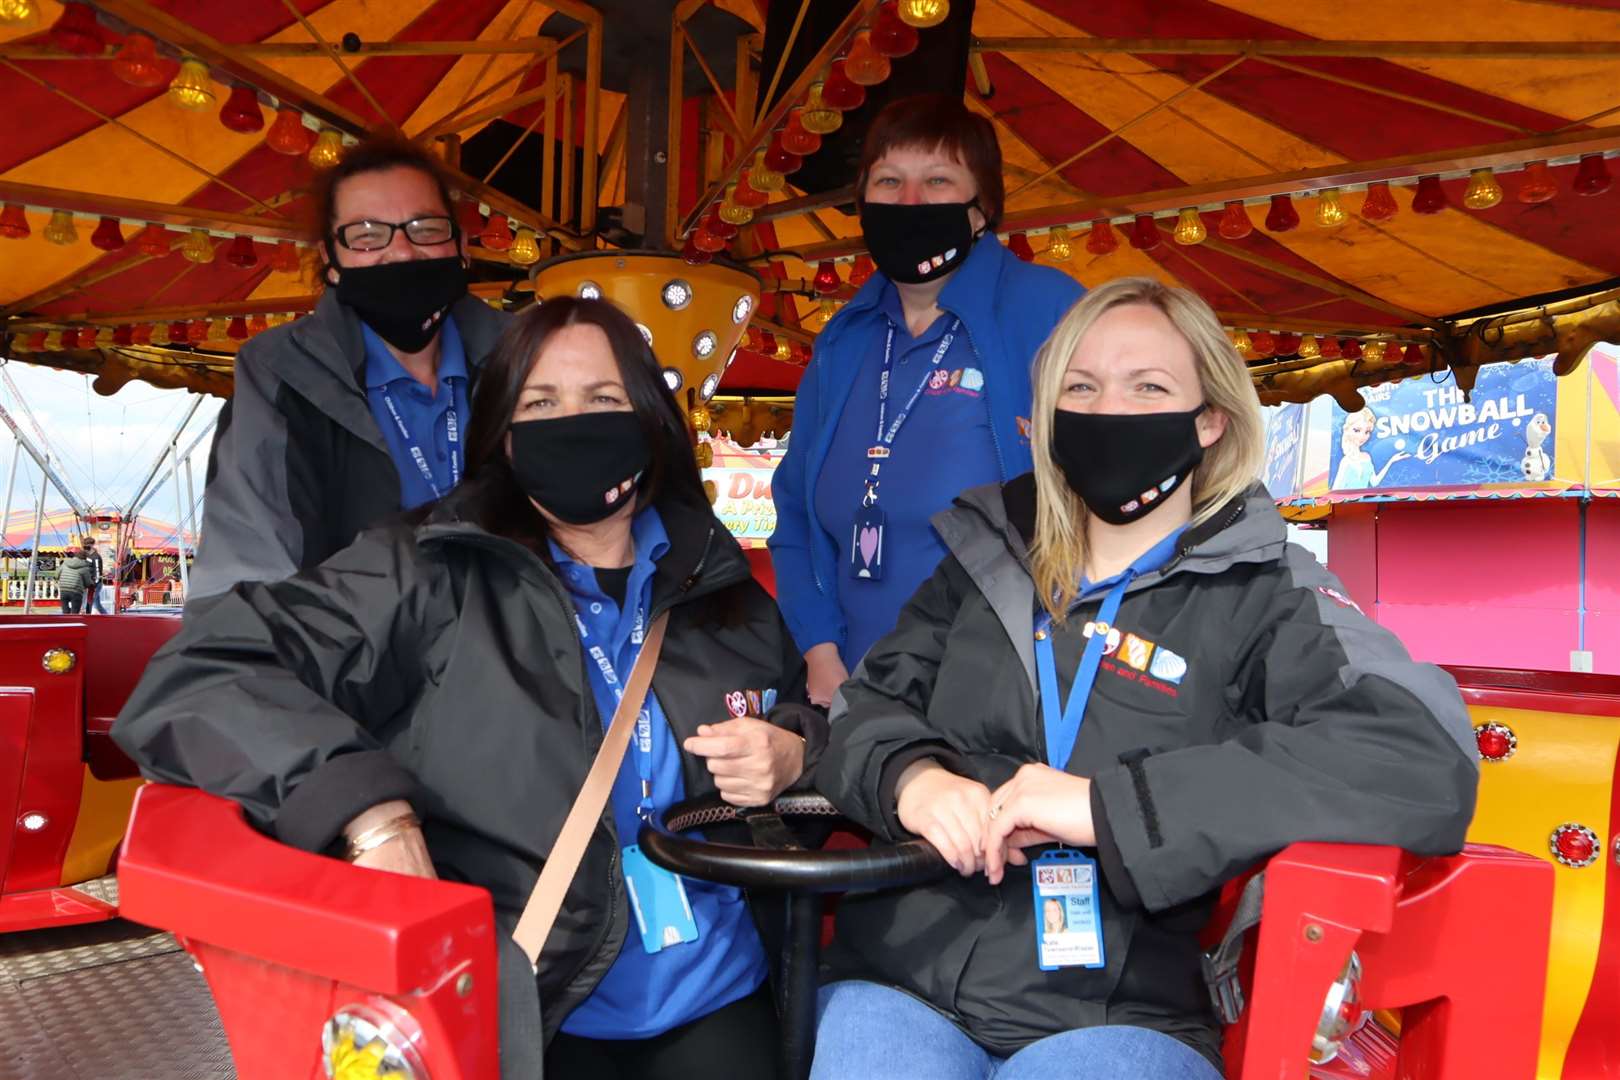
column 1068, row 922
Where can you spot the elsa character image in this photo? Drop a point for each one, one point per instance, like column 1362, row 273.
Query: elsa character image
column 1356, row 466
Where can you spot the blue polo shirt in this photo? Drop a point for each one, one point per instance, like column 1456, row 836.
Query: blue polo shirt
column 944, row 448
column 430, row 453
column 642, row 994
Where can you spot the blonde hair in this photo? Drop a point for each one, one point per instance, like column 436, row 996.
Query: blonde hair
column 1058, row 554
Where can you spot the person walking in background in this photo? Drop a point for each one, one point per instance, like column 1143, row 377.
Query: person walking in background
column 71, row 578
column 919, row 388
column 92, row 584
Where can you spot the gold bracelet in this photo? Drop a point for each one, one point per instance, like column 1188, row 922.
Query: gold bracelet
column 379, row 835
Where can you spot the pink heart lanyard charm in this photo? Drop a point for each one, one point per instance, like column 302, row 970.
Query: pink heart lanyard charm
column 866, row 544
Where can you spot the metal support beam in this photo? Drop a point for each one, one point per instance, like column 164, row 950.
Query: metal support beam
column 298, row 50
column 228, row 60
column 33, row 547
column 180, row 514
column 773, row 117
column 650, row 158
column 180, row 217
column 1503, row 155
column 140, row 498
column 1383, row 50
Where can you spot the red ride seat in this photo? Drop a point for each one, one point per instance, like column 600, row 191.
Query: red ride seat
column 287, row 939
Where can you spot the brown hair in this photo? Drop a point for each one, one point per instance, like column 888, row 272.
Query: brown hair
column 378, row 153
column 938, row 121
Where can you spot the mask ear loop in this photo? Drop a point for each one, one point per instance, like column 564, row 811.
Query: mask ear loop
column 331, row 262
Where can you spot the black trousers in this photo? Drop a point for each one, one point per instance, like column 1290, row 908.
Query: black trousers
column 737, row 1042
column 72, row 602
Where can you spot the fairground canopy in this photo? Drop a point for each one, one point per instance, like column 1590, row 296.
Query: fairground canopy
column 1362, row 191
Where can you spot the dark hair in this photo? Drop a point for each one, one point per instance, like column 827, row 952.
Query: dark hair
column 939, row 122
column 378, row 153
column 494, row 499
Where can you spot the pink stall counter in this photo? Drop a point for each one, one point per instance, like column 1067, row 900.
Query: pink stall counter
column 1483, row 529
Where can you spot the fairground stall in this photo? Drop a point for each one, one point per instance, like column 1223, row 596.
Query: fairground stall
column 1482, row 528
column 1403, row 213
column 140, row 559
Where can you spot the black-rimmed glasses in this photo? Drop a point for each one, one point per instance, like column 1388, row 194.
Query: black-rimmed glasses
column 376, row 235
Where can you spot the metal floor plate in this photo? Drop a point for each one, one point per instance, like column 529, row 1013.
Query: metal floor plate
column 106, row 1001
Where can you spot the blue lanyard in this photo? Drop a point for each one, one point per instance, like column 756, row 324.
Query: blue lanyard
column 644, row 726
column 886, row 431
column 1063, row 727
column 414, row 449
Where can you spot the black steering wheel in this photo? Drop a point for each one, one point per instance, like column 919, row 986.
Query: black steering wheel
column 778, row 860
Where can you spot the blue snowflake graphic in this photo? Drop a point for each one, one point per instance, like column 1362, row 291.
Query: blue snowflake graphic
column 1493, row 470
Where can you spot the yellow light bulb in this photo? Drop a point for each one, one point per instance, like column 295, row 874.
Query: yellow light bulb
column 525, row 249
column 828, row 307
column 1240, row 342
column 784, row 349
column 731, row 213
column 1309, row 348
column 53, row 341
column 60, row 229
column 923, row 13
column 1329, row 213
column 198, row 247
column 1373, row 351
column 328, row 149
column 1058, row 247
column 1483, row 190
column 19, row 12
column 191, row 88
column 761, row 178
column 1190, row 228
column 816, row 117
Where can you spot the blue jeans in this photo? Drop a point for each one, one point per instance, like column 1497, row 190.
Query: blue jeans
column 867, row 1030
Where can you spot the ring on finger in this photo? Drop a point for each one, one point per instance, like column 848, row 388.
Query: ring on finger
column 994, row 810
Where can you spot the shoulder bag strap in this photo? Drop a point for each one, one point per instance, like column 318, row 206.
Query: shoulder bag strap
column 546, row 901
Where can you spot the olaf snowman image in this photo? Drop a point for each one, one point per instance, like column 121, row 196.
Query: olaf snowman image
column 1536, row 463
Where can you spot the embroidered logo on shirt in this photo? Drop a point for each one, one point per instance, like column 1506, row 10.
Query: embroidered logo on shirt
column 1136, row 651
column 1111, row 645
column 966, row 381
column 1339, row 598
column 1168, row 666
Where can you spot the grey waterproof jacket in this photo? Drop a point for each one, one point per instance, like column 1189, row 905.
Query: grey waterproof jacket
column 74, row 573
column 299, row 466
column 1246, row 704
column 442, row 664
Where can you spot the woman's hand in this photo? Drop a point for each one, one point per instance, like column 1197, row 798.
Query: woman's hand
column 752, row 761
column 947, row 810
column 1039, row 805
column 826, row 673
column 404, row 853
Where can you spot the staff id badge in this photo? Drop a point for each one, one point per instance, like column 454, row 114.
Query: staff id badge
column 658, row 899
column 1068, row 922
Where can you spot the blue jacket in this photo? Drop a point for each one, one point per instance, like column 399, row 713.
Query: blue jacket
column 1007, row 307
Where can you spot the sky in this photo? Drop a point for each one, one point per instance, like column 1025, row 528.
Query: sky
column 103, row 447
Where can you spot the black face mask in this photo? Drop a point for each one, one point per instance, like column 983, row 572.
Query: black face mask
column 1124, row 466
column 404, row 302
column 580, row 468
column 917, row 242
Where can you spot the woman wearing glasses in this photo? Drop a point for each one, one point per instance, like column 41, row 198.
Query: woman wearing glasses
column 357, row 410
